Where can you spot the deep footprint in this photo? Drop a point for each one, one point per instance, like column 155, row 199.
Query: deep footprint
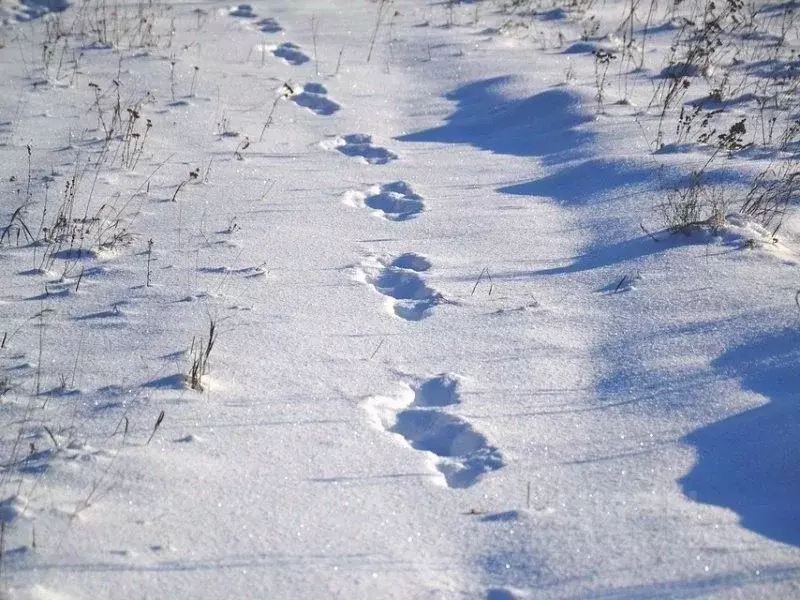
column 314, row 97
column 463, row 454
column 394, row 201
column 412, row 261
column 439, row 391
column 269, row 25
column 413, row 299
column 359, row 145
column 291, row 53
column 243, row 11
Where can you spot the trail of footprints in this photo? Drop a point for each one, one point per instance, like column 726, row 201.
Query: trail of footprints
column 289, row 52
column 312, row 96
column 455, row 449
column 245, row 11
column 421, row 416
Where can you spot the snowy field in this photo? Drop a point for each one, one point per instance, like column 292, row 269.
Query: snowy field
column 399, row 299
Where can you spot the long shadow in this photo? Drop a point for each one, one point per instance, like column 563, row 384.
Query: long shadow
column 545, row 125
column 582, row 182
column 274, row 560
column 604, row 180
column 586, row 181
column 619, row 253
column 749, row 462
column 629, row 250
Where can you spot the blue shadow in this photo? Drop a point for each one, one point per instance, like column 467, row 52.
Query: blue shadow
column 601, row 179
column 545, row 125
column 750, row 463
column 584, row 181
column 629, row 250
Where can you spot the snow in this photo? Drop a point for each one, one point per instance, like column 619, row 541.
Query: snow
column 445, row 345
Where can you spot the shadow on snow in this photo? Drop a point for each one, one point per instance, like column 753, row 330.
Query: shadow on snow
column 579, row 183
column 545, row 125
column 748, row 462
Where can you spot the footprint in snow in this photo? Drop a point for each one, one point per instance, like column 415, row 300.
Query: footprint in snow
column 290, row 53
column 394, row 201
column 411, row 261
column 242, row 11
column 314, row 97
column 462, row 454
column 359, row 145
column 400, row 281
column 269, row 25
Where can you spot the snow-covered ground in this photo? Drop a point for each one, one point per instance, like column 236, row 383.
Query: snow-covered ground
column 399, row 299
